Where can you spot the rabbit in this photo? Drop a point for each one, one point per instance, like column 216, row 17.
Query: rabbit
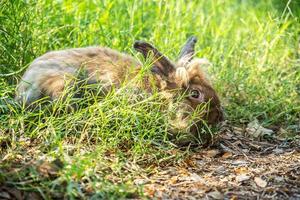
column 48, row 75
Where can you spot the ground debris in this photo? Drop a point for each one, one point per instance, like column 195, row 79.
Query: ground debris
column 7, row 193
column 260, row 182
column 49, row 169
column 256, row 130
column 238, row 167
column 235, row 167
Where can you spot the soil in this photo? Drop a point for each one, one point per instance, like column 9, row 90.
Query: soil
column 237, row 166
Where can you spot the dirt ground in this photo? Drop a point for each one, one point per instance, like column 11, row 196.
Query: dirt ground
column 236, row 167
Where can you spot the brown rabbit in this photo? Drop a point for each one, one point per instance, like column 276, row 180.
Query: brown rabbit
column 49, row 74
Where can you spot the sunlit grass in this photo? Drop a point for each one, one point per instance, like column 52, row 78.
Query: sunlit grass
column 253, row 45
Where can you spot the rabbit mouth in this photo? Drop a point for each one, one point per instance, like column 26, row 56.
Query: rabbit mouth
column 187, row 136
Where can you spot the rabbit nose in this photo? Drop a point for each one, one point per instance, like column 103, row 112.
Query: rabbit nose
column 179, row 122
column 179, row 125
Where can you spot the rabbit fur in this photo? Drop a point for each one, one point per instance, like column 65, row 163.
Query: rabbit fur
column 48, row 75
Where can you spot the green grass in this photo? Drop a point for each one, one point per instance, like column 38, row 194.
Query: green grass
column 253, row 45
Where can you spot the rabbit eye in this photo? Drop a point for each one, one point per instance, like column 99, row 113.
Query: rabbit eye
column 195, row 94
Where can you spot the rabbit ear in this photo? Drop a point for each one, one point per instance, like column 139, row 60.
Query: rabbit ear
column 188, row 50
column 161, row 65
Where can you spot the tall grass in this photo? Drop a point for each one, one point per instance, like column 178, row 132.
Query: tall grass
column 253, row 45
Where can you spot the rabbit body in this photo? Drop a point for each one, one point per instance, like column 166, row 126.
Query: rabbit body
column 49, row 74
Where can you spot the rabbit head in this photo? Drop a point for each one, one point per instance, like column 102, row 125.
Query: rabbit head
column 185, row 80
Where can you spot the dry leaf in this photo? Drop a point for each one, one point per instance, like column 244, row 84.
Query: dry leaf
column 50, row 168
column 196, row 177
column 221, row 170
column 240, row 162
column 227, row 155
column 256, row 130
column 260, row 182
column 241, row 170
column 234, row 198
column 242, row 178
column 89, row 189
column 10, row 192
column 237, row 130
column 216, row 195
column 140, row 181
column 211, row 153
column 5, row 195
column 256, row 147
column 278, row 151
column 173, row 180
column 149, row 190
column 8, row 156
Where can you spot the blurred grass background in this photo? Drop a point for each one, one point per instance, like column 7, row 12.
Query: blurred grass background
column 253, row 45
